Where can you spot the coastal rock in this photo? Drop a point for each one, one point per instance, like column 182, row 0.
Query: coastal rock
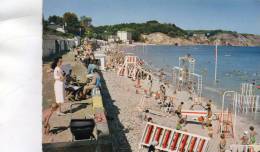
column 227, row 39
column 160, row 38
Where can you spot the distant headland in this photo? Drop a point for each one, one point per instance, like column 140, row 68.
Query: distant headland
column 150, row 32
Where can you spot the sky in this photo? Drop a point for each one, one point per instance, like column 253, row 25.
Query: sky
column 236, row 15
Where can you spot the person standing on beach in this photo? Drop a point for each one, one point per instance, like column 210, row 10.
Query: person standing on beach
column 210, row 130
column 86, row 60
column 150, row 85
column 178, row 111
column 222, row 143
column 47, row 113
column 208, row 105
column 162, row 94
column 59, row 89
column 252, row 135
column 209, row 117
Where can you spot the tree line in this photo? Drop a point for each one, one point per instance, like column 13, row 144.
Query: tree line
column 71, row 22
column 83, row 27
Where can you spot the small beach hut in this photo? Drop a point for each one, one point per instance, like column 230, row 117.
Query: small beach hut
column 102, row 58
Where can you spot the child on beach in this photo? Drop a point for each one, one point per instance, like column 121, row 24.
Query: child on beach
column 210, row 130
column 209, row 116
column 179, row 108
column 252, row 135
column 47, row 115
column 151, row 148
column 244, row 139
column 222, row 143
column 146, row 116
column 179, row 124
column 208, row 105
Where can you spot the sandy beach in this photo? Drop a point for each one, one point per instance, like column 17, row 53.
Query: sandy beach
column 124, row 97
column 124, row 109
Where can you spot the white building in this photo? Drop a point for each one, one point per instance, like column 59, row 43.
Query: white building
column 112, row 38
column 58, row 28
column 53, row 44
column 102, row 59
column 124, row 36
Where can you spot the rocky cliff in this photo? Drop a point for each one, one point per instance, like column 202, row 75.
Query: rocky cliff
column 223, row 38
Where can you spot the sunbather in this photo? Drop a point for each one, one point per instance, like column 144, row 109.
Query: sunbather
column 92, row 65
column 94, row 83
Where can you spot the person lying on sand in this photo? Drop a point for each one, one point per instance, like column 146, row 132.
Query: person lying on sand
column 47, row 113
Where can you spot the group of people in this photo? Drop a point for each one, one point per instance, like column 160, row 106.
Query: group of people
column 60, row 77
column 248, row 138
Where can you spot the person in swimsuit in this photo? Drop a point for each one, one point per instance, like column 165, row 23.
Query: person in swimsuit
column 96, row 82
column 222, row 143
column 244, row 139
column 179, row 108
column 252, row 135
column 210, row 130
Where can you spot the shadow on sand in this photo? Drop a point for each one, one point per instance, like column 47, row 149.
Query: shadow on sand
column 76, row 108
column 116, row 128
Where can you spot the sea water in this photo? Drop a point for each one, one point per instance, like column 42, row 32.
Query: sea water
column 236, row 65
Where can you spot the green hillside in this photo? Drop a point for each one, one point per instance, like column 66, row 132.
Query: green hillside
column 139, row 28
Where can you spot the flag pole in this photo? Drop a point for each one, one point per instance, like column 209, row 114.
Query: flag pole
column 216, row 61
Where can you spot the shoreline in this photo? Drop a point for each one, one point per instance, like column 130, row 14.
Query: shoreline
column 242, row 123
column 123, row 105
column 156, row 44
